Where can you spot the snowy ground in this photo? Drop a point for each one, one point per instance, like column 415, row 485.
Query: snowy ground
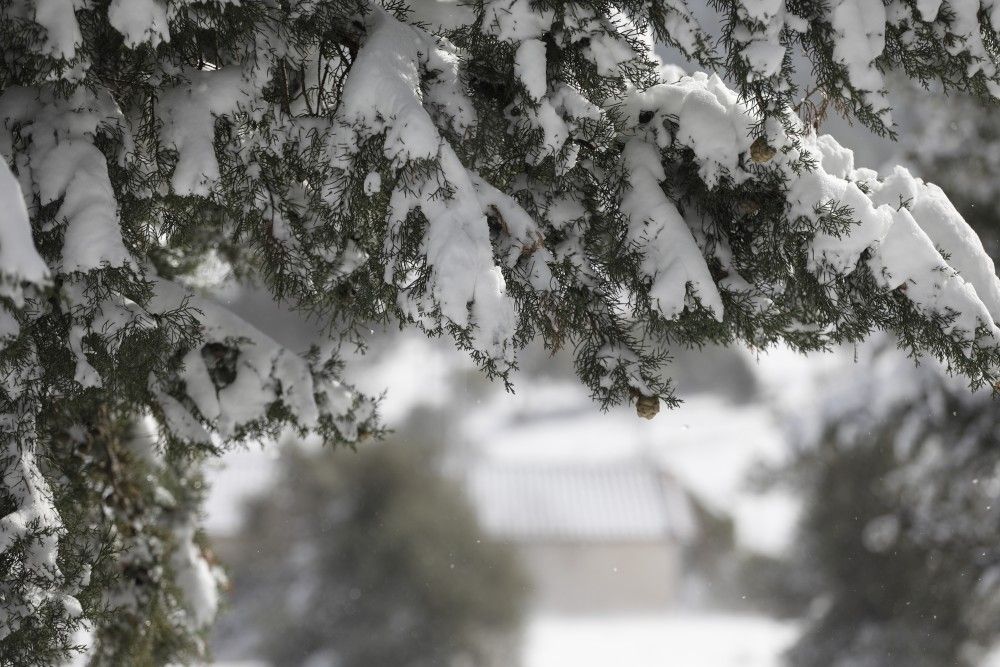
column 679, row 640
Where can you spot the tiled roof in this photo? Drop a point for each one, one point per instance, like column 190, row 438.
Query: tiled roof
column 600, row 503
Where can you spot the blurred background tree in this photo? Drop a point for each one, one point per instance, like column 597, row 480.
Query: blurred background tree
column 371, row 559
column 898, row 532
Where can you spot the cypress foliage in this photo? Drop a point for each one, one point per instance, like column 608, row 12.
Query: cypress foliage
column 497, row 173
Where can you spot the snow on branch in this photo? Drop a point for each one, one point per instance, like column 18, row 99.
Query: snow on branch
column 502, row 173
column 235, row 375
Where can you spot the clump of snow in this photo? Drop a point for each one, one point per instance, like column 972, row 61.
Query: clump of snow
column 860, row 27
column 85, row 373
column 263, row 371
column 947, row 230
column 140, row 21
column 188, row 111
column 516, row 21
column 383, row 91
column 373, row 183
column 19, row 260
column 711, row 121
column 65, row 166
column 906, row 254
column 34, row 525
column 529, row 65
column 195, row 578
column 672, row 258
column 62, row 32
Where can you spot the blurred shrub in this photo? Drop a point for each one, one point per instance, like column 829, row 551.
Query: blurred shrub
column 372, row 559
column 898, row 539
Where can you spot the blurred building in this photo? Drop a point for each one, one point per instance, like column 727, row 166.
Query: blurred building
column 593, row 537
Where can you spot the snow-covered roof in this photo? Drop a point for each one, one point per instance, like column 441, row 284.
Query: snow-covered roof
column 579, row 502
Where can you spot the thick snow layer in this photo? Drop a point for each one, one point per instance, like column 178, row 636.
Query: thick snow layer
column 195, row 579
column 34, row 524
column 711, row 121
column 140, row 21
column 907, row 224
column 672, row 258
column 383, row 92
column 860, row 26
column 529, row 65
column 62, row 32
column 265, row 373
column 77, row 172
column 946, row 229
column 64, row 164
column 19, row 260
column 188, row 111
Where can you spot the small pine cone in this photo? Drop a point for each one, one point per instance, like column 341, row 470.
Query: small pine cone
column 748, row 207
column 647, row 406
column 760, row 151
